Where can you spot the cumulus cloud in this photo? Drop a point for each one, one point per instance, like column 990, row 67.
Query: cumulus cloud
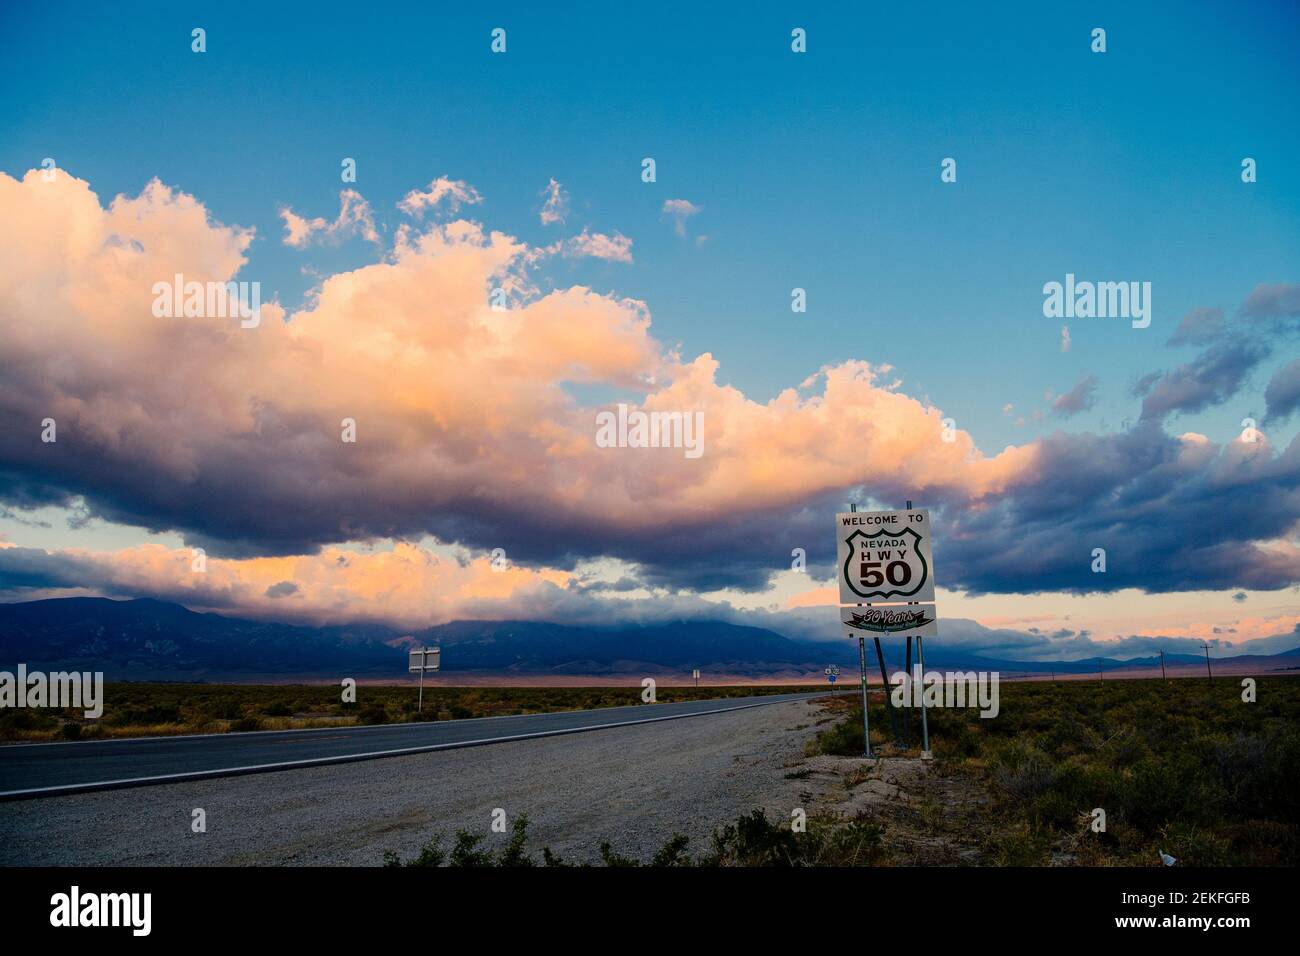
column 615, row 248
column 679, row 210
column 454, row 192
column 556, row 206
column 468, row 430
column 355, row 217
column 405, row 585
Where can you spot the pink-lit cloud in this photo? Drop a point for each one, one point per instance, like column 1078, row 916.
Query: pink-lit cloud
column 468, row 427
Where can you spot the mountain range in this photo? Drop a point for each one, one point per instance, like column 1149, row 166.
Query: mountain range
column 146, row 639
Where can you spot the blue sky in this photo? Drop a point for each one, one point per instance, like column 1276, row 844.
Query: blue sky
column 818, row 171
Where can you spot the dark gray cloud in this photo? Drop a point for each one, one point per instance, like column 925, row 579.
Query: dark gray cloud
column 34, row 568
column 1170, row 517
column 1210, row 379
column 1282, row 394
column 1078, row 399
column 1277, row 300
column 1198, row 327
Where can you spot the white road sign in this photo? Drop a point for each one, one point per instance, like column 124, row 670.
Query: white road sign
column 425, row 659
column 891, row 619
column 884, row 556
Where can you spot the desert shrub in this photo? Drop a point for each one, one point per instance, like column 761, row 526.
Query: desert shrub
column 1019, row 844
column 1193, row 845
column 1023, row 772
column 223, row 710
column 1157, row 791
column 18, row 720
column 753, row 840
column 135, row 715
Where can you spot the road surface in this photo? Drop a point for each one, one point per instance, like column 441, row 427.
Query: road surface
column 30, row 771
column 634, row 785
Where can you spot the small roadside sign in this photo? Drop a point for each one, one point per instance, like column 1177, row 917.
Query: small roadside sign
column 425, row 659
column 832, row 673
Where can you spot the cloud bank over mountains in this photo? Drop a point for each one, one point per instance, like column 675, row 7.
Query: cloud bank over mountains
column 468, row 431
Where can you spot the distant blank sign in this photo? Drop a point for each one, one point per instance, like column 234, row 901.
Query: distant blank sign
column 425, row 659
column 884, row 556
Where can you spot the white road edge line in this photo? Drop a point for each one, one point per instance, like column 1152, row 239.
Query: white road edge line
column 348, row 728
column 122, row 784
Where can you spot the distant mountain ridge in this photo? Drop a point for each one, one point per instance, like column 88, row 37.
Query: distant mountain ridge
column 146, row 639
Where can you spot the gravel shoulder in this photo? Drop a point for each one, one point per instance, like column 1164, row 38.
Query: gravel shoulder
column 633, row 786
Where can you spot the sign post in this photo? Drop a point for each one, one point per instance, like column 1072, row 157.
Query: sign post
column 925, row 725
column 884, row 682
column 424, row 659
column 907, row 711
column 886, row 583
column 866, row 727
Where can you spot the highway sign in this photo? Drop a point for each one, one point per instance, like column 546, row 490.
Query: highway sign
column 884, row 556
column 894, row 619
column 426, row 659
column 832, row 673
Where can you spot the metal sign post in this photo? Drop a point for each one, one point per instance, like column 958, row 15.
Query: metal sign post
column 925, row 725
column 907, row 711
column 889, row 704
column 424, row 659
column 866, row 727
column 862, row 667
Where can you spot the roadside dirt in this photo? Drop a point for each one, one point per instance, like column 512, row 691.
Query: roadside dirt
column 930, row 816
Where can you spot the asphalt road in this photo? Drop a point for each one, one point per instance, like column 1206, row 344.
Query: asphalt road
column 43, row 770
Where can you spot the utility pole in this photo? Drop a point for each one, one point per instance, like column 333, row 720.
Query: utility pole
column 1209, row 673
